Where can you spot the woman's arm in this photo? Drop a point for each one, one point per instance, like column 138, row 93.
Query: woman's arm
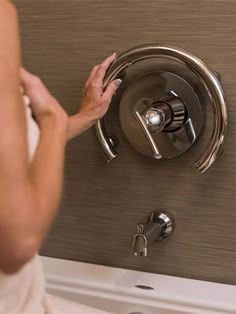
column 30, row 193
column 14, row 176
column 46, row 170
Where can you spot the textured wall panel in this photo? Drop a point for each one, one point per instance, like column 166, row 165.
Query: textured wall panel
column 102, row 203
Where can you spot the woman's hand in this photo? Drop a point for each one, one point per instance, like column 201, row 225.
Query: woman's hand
column 46, row 109
column 95, row 101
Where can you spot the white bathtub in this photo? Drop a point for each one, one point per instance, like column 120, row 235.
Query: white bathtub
column 115, row 290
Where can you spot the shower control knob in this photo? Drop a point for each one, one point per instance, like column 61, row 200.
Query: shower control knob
column 169, row 115
column 155, row 119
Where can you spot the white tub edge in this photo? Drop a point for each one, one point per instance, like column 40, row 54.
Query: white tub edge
column 118, row 284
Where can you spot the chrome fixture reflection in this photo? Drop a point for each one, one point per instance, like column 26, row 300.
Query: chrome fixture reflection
column 169, row 125
column 167, row 114
column 158, row 226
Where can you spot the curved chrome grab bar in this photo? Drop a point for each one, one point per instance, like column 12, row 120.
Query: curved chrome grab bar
column 207, row 76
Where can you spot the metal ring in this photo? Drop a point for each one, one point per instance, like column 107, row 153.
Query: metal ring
column 206, row 75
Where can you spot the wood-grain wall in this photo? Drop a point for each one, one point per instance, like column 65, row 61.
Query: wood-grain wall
column 102, row 203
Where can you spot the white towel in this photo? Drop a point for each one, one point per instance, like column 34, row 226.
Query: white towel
column 32, row 129
column 24, row 292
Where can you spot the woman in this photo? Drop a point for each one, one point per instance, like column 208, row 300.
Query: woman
column 30, row 191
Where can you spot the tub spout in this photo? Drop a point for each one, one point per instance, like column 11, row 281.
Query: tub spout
column 157, row 226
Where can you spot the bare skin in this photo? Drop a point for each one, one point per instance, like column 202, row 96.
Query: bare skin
column 30, row 192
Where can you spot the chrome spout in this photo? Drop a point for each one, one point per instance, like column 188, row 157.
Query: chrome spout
column 157, row 226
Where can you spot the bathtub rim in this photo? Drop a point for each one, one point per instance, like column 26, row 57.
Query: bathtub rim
column 118, row 284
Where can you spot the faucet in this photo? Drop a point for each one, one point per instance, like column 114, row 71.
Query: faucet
column 157, row 226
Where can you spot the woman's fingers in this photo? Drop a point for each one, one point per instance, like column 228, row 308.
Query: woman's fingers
column 110, row 90
column 42, row 103
column 25, row 77
column 34, row 87
column 30, row 81
column 98, row 72
column 96, row 76
column 101, row 71
column 22, row 91
column 91, row 76
column 36, row 92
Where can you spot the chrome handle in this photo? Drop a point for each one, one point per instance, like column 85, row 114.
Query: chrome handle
column 206, row 75
column 155, row 119
column 139, row 245
column 148, row 135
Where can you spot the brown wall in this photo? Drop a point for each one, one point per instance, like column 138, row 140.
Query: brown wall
column 102, row 203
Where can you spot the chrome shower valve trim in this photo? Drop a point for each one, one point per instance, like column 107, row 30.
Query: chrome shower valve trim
column 156, row 120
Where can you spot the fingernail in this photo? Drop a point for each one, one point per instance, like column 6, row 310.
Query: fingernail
column 118, row 82
column 114, row 54
column 22, row 89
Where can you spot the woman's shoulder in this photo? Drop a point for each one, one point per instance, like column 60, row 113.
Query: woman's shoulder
column 6, row 4
column 7, row 8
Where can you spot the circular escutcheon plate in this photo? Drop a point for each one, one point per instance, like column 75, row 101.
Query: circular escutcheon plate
column 140, row 93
